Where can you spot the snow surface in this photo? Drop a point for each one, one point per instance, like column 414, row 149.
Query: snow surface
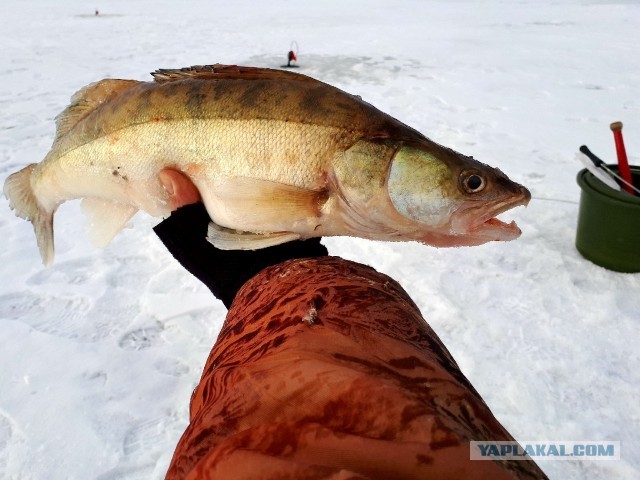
column 99, row 353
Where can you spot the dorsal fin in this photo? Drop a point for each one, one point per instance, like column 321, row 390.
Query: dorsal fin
column 217, row 71
column 87, row 99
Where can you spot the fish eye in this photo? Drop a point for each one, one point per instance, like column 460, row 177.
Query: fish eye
column 472, row 182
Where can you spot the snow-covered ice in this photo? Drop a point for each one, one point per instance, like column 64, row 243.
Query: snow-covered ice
column 100, row 352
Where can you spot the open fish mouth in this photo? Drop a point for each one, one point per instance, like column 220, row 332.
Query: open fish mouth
column 482, row 221
column 497, row 229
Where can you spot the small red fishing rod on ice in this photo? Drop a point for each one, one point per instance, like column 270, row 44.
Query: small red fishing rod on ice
column 623, row 163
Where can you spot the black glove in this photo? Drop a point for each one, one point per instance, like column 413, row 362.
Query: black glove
column 223, row 271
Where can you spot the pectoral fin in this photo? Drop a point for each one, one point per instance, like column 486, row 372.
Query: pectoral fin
column 227, row 239
column 264, row 211
column 263, row 205
column 106, row 219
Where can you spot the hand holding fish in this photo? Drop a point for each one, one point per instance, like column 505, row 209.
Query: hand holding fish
column 180, row 190
column 276, row 156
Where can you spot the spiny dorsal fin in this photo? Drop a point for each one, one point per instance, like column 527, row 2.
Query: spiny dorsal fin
column 87, row 99
column 218, row 71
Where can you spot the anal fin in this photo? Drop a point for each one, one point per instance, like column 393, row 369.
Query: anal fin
column 228, row 239
column 106, row 219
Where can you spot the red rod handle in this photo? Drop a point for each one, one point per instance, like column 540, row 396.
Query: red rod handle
column 623, row 163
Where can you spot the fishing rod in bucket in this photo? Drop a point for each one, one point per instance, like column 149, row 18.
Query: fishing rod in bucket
column 600, row 169
column 608, row 231
column 623, row 163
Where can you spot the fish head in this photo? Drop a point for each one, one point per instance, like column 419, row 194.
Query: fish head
column 453, row 198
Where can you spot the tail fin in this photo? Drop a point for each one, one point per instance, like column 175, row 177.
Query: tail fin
column 17, row 188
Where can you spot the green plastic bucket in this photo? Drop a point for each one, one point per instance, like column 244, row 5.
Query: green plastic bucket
column 609, row 223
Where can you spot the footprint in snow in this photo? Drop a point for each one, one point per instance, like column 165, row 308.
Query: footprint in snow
column 133, row 472
column 150, row 436
column 6, row 433
column 141, row 338
column 173, row 367
column 12, row 443
column 14, row 306
column 129, row 271
column 74, row 318
column 74, row 272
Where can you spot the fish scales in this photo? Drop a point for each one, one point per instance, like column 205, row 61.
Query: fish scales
column 270, row 126
column 269, row 149
column 190, row 99
column 275, row 155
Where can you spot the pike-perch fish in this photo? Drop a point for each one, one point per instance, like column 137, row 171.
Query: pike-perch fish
column 275, row 155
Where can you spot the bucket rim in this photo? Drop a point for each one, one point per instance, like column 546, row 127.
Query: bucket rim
column 588, row 181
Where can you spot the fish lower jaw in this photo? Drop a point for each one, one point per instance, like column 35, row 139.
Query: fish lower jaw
column 496, row 229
